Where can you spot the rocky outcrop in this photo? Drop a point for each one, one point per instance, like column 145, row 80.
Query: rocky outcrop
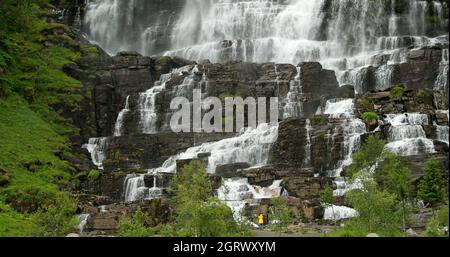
column 104, row 220
column 144, row 151
column 325, row 149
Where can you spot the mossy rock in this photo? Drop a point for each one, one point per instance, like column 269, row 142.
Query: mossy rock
column 55, row 29
column 4, row 180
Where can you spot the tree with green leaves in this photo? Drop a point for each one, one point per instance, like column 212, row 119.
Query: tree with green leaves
column 280, row 214
column 431, row 186
column 199, row 214
column 375, row 208
column 393, row 176
column 368, row 156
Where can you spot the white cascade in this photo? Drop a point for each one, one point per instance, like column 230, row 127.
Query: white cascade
column 97, row 147
column 442, row 79
column 352, row 129
column 120, row 118
column 252, row 146
column 294, row 100
column 83, row 220
column 406, row 134
column 237, row 192
column 147, row 101
column 309, row 128
column 339, row 213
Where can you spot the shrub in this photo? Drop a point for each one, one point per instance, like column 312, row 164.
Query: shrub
column 58, row 218
column 370, row 117
column 398, row 91
column 93, row 175
column 134, row 226
column 431, row 186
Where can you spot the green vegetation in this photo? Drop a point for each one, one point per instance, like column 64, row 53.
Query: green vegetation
column 398, row 91
column 135, row 226
column 33, row 133
column 382, row 199
column 198, row 214
column 431, row 187
column 93, row 175
column 280, row 214
column 370, row 117
column 328, row 199
column 393, row 176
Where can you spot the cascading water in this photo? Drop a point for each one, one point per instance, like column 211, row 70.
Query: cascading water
column 343, row 35
column 251, row 147
column 309, row 128
column 406, row 134
column 237, row 192
column 120, row 118
column 147, row 100
column 339, row 213
column 442, row 79
column 294, row 99
column 97, row 147
column 352, row 129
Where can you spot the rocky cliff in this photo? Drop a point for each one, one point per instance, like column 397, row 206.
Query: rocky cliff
column 323, row 101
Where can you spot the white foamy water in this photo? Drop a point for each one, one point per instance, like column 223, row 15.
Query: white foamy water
column 237, row 193
column 339, row 213
column 120, row 118
column 97, row 147
column 252, row 146
column 353, row 34
column 406, row 134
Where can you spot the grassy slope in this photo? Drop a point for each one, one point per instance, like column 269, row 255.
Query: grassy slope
column 31, row 132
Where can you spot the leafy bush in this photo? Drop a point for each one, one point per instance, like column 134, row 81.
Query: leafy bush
column 443, row 215
column 370, row 117
column 134, row 226
column 93, row 175
column 398, row 91
column 58, row 219
column 280, row 214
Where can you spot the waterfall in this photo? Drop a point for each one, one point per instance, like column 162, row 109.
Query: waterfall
column 340, row 109
column 406, row 134
column 442, row 133
column 252, row 146
column 119, row 123
column 442, row 79
column 148, row 100
column 352, row 129
column 309, row 128
column 83, row 220
column 97, row 147
column 294, row 99
column 343, row 35
column 237, row 192
column 339, row 213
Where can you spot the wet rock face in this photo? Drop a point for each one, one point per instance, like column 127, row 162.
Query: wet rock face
column 104, row 220
column 109, row 186
column 108, row 82
column 299, row 183
column 420, row 70
column 326, row 144
column 140, row 152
